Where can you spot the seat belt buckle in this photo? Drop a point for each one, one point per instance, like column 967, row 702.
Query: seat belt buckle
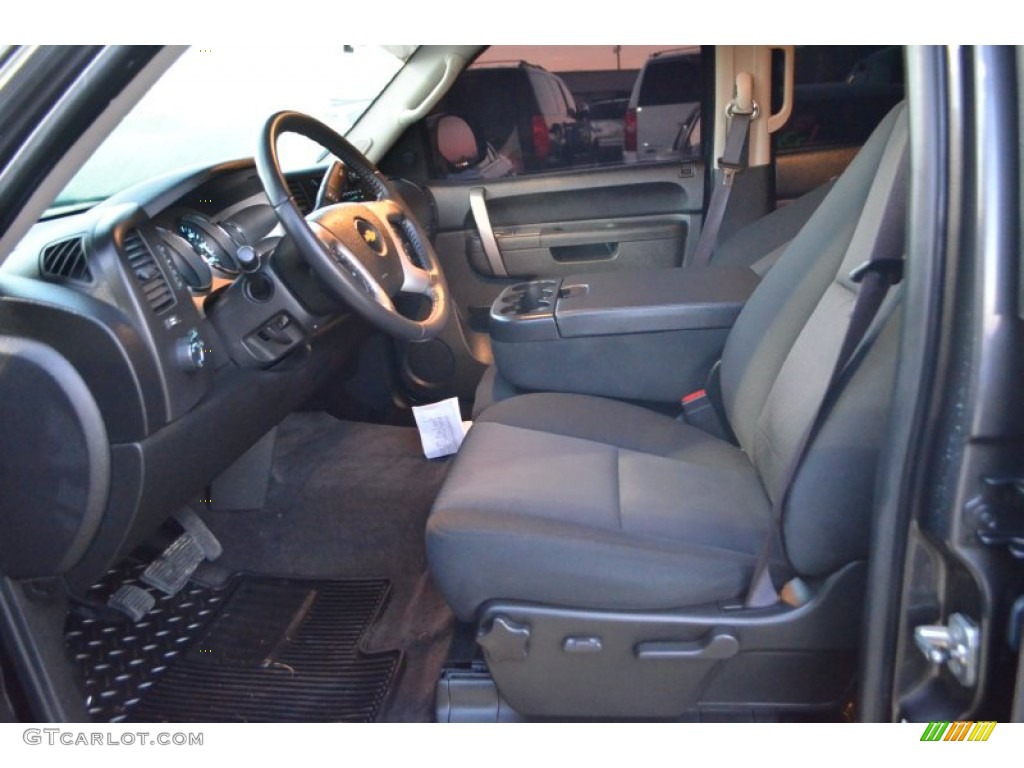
column 694, row 398
column 699, row 411
column 891, row 268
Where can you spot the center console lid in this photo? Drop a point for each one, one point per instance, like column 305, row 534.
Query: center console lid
column 622, row 303
column 649, row 335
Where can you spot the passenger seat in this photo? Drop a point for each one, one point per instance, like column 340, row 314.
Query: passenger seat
column 607, row 553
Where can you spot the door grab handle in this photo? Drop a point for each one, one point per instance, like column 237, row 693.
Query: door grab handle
column 779, row 119
column 478, row 205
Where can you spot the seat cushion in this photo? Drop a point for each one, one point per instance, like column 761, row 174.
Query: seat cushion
column 591, row 503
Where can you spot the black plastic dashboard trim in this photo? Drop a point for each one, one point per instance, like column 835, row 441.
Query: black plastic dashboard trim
column 96, row 338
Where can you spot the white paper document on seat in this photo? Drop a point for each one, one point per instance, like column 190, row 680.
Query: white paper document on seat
column 441, row 427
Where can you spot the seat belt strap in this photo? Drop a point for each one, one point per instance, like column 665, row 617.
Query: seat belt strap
column 732, row 161
column 882, row 270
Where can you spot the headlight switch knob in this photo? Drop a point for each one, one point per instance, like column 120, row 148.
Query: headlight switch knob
column 191, row 351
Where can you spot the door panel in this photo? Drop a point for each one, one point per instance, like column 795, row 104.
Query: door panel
column 552, row 225
column 600, row 245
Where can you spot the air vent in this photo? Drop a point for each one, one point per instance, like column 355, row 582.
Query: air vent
column 66, row 260
column 302, row 195
column 142, row 264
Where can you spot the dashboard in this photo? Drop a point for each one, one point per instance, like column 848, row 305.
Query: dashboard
column 165, row 330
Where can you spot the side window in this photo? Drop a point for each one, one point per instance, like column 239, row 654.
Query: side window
column 570, row 102
column 544, row 94
column 547, row 109
column 840, row 94
column 664, row 111
column 670, row 80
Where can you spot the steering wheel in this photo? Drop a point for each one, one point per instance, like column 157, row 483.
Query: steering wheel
column 365, row 253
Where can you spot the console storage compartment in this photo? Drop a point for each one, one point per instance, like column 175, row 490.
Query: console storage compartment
column 640, row 335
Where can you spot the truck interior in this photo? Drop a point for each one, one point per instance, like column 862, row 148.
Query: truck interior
column 741, row 442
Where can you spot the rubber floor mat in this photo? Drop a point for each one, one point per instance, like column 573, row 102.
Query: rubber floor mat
column 260, row 649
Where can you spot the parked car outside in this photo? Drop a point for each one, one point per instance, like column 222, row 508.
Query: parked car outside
column 665, row 96
column 525, row 112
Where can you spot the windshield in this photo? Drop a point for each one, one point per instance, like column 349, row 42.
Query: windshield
column 210, row 105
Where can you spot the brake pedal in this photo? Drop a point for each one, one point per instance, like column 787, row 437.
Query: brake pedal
column 133, row 601
column 171, row 571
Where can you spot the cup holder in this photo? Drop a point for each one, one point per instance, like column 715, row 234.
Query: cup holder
column 528, row 298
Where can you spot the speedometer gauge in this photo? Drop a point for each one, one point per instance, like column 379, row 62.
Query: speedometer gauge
column 211, row 243
column 183, row 259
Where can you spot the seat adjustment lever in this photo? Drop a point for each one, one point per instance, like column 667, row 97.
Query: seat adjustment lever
column 717, row 646
column 505, row 640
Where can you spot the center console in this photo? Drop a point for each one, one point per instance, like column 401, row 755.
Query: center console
column 642, row 335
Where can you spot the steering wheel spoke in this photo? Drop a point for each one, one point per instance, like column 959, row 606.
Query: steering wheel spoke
column 353, row 265
column 415, row 280
column 364, row 253
column 404, row 235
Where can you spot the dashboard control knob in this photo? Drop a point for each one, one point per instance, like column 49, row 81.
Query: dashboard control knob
column 247, row 258
column 191, row 351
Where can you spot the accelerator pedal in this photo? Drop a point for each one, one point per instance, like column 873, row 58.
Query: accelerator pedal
column 194, row 525
column 171, row 571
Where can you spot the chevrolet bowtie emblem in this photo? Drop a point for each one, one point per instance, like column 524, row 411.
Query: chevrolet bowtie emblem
column 371, row 236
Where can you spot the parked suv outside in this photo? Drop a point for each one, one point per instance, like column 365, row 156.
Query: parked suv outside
column 525, row 112
column 665, row 96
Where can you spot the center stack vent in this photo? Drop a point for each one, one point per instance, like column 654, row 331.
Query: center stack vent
column 151, row 279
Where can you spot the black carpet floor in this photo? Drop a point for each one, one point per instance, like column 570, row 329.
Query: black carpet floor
column 350, row 500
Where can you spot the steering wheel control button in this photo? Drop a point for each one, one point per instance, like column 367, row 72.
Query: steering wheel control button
column 191, row 351
column 371, row 236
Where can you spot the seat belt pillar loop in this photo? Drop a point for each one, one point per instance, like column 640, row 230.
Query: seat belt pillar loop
column 732, row 161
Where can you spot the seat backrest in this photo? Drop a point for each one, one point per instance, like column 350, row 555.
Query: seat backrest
column 760, row 244
column 780, row 354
